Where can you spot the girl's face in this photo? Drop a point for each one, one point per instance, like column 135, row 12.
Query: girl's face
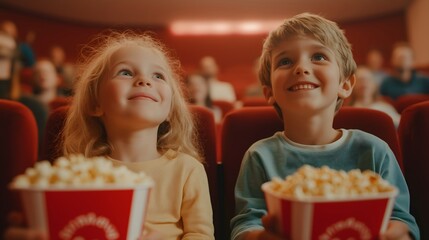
column 305, row 76
column 135, row 92
column 198, row 88
column 45, row 75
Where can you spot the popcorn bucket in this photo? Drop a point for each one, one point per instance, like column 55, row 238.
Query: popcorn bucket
column 113, row 212
column 358, row 217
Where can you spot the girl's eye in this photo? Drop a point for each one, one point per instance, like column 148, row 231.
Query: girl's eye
column 125, row 72
column 158, row 76
column 284, row 62
column 318, row 57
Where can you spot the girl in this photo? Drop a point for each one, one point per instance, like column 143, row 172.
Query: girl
column 128, row 106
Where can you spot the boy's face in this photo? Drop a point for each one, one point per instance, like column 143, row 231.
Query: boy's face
column 305, row 77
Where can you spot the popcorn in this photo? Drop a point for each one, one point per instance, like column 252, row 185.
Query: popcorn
column 325, row 182
column 76, row 170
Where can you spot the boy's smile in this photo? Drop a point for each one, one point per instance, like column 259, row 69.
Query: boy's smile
column 303, row 86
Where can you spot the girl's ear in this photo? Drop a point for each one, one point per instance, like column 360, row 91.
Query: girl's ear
column 346, row 87
column 268, row 93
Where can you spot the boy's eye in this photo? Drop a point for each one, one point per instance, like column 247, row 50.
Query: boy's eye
column 125, row 72
column 158, row 76
column 284, row 61
column 318, row 57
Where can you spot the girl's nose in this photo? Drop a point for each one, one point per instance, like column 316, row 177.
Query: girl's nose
column 143, row 81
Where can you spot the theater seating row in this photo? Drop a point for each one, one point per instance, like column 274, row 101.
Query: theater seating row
column 240, row 128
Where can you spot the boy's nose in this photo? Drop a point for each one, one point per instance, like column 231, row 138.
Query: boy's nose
column 301, row 68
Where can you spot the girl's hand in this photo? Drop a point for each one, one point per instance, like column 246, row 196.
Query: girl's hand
column 16, row 231
column 151, row 235
column 396, row 230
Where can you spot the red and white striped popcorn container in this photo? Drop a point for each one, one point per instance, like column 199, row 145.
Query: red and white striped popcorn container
column 108, row 212
column 358, row 217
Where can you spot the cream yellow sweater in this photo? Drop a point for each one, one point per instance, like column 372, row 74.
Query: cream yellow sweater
column 179, row 205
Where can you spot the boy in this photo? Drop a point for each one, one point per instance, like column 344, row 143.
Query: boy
column 306, row 70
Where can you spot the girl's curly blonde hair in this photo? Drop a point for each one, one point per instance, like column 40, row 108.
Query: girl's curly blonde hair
column 85, row 133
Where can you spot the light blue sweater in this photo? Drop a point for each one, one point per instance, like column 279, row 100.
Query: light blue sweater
column 277, row 156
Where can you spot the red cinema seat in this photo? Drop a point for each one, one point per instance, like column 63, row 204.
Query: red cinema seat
column 206, row 129
column 60, row 102
column 240, row 129
column 405, row 101
column 225, row 106
column 414, row 138
column 254, row 102
column 54, row 127
column 243, row 127
column 18, row 151
column 371, row 121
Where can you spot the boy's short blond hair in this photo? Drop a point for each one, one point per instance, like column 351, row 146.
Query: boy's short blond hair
column 321, row 29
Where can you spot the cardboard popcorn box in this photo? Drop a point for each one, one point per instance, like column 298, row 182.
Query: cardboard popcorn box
column 87, row 212
column 84, row 198
column 356, row 217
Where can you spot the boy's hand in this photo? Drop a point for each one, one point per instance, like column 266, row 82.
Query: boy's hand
column 396, row 230
column 269, row 233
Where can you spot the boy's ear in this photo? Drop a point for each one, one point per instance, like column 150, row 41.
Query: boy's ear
column 346, row 87
column 268, row 93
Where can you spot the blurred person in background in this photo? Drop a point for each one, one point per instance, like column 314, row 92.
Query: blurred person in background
column 365, row 94
column 10, row 83
column 26, row 56
column 199, row 94
column 375, row 61
column 404, row 79
column 65, row 70
column 219, row 90
column 45, row 82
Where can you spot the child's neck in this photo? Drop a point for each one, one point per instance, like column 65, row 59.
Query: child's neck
column 135, row 146
column 313, row 130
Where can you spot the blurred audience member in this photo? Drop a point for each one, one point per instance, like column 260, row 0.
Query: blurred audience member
column 365, row 94
column 64, row 69
column 10, row 87
column 219, row 90
column 26, row 56
column 199, row 94
column 404, row 78
column 375, row 61
column 45, row 82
